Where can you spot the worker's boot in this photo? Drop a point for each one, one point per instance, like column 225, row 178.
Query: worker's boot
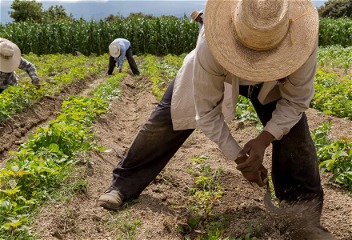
column 111, row 199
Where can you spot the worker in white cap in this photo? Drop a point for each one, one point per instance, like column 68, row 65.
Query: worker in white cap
column 119, row 49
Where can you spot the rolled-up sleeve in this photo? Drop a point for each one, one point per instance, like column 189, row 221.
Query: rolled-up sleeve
column 31, row 71
column 208, row 83
column 297, row 90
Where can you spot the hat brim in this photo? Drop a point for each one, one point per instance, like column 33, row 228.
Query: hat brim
column 199, row 13
column 114, row 54
column 10, row 65
column 261, row 66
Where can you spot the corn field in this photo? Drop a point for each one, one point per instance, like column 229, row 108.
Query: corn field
column 335, row 32
column 157, row 36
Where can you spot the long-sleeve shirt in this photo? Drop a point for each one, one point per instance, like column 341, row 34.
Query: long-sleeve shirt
column 10, row 78
column 124, row 45
column 209, row 100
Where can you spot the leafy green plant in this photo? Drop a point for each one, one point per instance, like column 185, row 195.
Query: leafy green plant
column 161, row 73
column 334, row 156
column 43, row 163
column 246, row 112
column 205, row 222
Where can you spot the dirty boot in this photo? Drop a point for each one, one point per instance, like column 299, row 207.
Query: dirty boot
column 112, row 199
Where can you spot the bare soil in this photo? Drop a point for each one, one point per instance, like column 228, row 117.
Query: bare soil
column 163, row 204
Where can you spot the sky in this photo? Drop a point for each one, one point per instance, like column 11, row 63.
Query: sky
column 100, row 9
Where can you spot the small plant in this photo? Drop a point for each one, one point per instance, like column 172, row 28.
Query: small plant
column 125, row 225
column 251, row 231
column 205, row 222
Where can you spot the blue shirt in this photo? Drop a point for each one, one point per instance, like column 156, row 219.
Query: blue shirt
column 124, row 45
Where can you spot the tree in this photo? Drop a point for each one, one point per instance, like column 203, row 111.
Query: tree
column 170, row 17
column 55, row 13
column 141, row 15
column 24, row 10
column 336, row 9
column 113, row 18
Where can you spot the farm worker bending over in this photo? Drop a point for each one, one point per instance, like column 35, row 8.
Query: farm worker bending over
column 10, row 60
column 264, row 56
column 118, row 49
column 198, row 17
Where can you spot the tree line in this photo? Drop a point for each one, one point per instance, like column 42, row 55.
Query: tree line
column 32, row 10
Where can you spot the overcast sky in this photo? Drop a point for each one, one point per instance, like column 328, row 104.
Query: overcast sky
column 99, row 9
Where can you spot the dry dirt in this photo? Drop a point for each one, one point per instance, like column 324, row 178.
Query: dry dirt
column 162, row 205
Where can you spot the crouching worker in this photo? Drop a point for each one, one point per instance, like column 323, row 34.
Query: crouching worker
column 264, row 56
column 118, row 49
column 10, row 60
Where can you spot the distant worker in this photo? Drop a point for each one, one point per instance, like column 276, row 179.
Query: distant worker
column 10, row 60
column 78, row 53
column 118, row 49
column 198, row 17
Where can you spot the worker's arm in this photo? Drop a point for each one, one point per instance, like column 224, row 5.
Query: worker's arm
column 32, row 72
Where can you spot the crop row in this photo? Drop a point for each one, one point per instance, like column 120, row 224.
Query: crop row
column 333, row 86
column 336, row 56
column 334, row 156
column 45, row 162
column 56, row 72
column 161, row 72
column 159, row 36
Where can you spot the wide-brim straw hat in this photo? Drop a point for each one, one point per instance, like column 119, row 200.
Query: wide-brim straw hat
column 261, row 40
column 114, row 49
column 195, row 14
column 10, row 56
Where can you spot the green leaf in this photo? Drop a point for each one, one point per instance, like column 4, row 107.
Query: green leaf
column 15, row 168
column 54, row 147
column 12, row 184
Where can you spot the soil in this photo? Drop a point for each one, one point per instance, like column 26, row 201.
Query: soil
column 163, row 204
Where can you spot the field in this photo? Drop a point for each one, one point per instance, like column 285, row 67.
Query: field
column 56, row 151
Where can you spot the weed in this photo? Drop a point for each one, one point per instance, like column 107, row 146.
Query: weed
column 125, row 224
column 205, row 222
column 251, row 231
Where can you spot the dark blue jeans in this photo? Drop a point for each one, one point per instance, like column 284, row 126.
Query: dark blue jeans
column 295, row 171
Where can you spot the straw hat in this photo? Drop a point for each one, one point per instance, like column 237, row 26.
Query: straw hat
column 114, row 49
column 261, row 40
column 10, row 56
column 195, row 14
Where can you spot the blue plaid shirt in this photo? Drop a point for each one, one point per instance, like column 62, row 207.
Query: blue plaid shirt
column 10, row 78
